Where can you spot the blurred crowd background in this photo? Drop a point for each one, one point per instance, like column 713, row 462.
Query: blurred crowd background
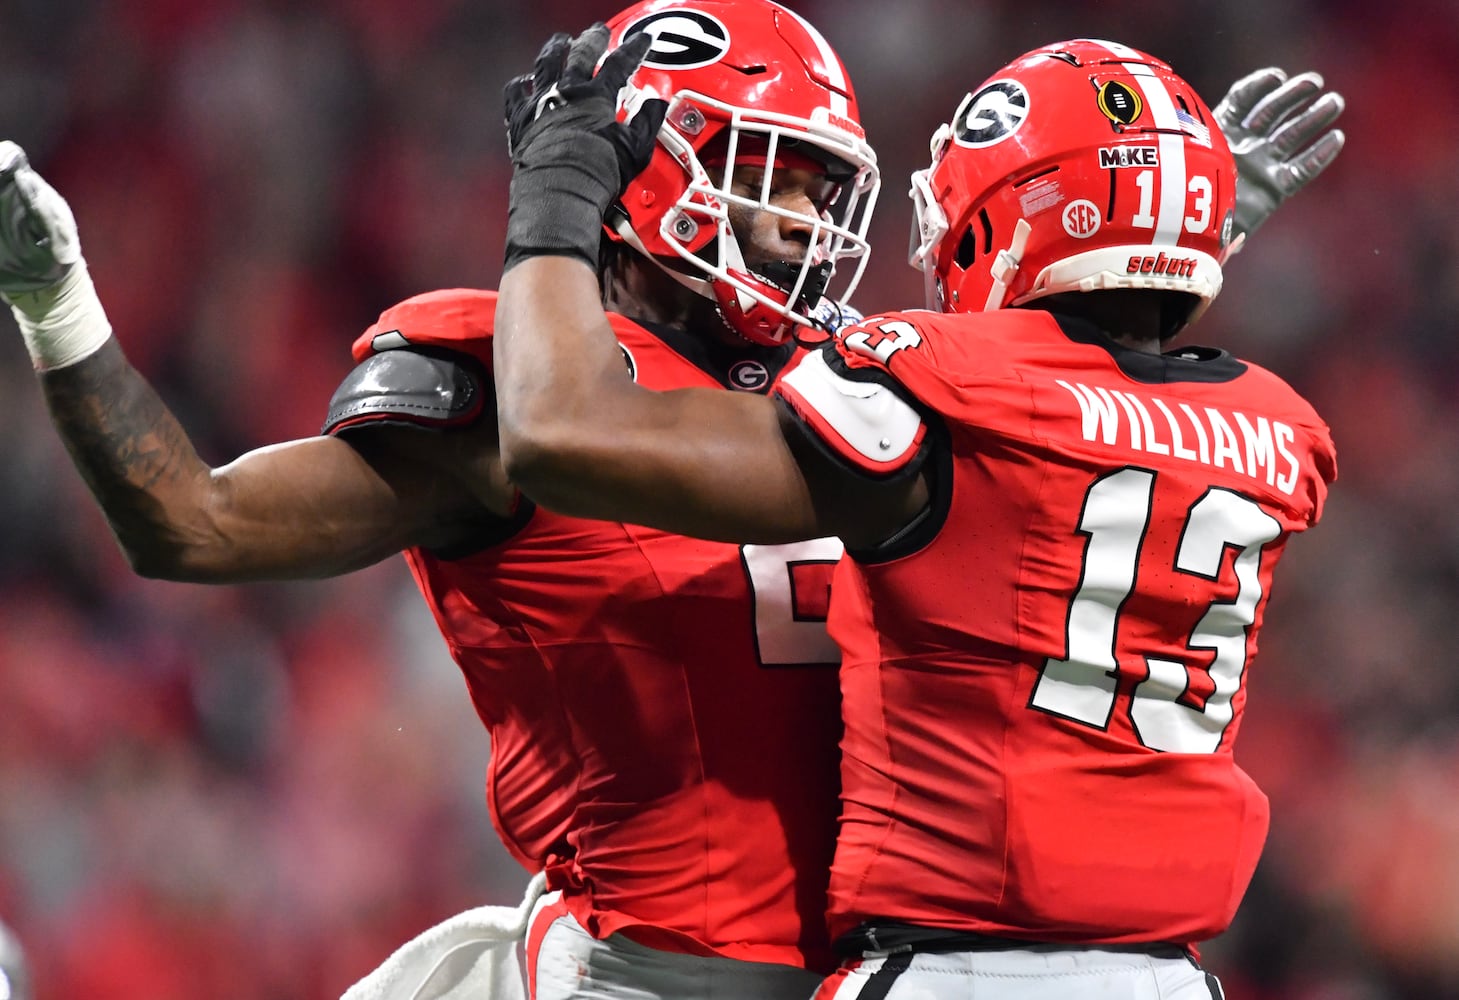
column 257, row 792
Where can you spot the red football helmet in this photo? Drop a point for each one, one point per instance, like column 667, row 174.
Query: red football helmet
column 747, row 81
column 1079, row 166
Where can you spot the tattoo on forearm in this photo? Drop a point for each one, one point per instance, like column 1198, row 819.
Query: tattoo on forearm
column 126, row 444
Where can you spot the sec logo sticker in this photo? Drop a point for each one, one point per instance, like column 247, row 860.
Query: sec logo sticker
column 1081, row 219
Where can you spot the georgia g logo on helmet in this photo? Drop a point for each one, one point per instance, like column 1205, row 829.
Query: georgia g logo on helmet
column 991, row 115
column 683, row 39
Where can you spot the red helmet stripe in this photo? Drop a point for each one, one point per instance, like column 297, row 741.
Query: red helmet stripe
column 835, row 73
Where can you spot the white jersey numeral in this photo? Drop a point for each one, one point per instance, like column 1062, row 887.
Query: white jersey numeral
column 791, row 586
column 1082, row 686
column 887, row 339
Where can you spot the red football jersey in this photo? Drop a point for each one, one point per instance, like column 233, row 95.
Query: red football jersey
column 1041, row 700
column 663, row 711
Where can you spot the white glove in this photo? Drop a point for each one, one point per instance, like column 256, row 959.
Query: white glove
column 38, row 240
column 1280, row 133
column 42, row 273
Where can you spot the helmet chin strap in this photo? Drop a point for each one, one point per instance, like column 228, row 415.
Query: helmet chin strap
column 761, row 318
column 1005, row 265
column 758, row 321
column 699, row 286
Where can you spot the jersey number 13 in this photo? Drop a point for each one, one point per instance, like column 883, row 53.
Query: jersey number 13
column 1164, row 714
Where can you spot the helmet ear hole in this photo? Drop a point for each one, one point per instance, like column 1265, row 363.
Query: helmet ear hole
column 967, row 249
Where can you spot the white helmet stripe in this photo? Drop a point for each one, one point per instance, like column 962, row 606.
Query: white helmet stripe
column 1119, row 49
column 839, row 104
column 1170, row 216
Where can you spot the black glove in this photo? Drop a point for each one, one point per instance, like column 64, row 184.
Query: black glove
column 571, row 156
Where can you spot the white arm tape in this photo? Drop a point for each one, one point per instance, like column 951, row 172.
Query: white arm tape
column 62, row 324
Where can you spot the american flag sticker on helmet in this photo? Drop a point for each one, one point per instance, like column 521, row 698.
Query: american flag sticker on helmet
column 1200, row 133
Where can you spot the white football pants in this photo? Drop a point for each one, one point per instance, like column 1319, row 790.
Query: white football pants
column 1040, row 973
column 565, row 962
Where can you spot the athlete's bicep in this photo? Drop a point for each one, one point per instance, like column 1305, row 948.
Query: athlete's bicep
column 324, row 506
column 702, row 462
column 411, row 459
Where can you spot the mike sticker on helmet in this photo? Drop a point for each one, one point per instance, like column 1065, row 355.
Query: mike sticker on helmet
column 1129, row 156
column 683, row 39
column 991, row 115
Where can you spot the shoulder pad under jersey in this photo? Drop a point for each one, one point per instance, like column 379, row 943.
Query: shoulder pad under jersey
column 409, row 387
column 452, row 319
column 456, row 319
column 863, row 420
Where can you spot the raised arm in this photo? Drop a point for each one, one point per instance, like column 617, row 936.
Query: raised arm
column 577, row 433
column 580, row 437
column 313, row 507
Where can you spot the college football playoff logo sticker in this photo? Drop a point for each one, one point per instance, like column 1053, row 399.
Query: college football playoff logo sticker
column 991, row 115
column 683, row 39
column 1119, row 103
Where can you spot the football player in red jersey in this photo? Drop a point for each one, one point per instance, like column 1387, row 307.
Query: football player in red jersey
column 656, row 746
column 662, row 710
column 1061, row 533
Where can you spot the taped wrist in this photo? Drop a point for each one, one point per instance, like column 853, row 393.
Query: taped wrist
column 563, row 183
column 62, row 323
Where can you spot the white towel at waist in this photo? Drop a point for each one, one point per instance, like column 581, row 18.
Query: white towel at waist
column 471, row 956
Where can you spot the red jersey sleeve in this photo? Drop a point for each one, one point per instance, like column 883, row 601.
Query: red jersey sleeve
column 456, row 319
column 460, row 319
